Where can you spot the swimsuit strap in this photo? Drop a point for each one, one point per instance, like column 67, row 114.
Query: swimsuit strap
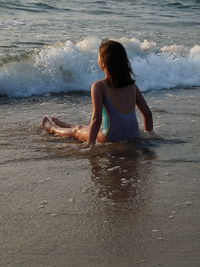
column 105, row 88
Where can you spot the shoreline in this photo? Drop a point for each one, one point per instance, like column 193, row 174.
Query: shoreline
column 123, row 206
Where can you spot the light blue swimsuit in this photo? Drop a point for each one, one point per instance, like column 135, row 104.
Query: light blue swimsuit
column 116, row 125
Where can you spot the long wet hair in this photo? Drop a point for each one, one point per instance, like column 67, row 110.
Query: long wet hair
column 113, row 56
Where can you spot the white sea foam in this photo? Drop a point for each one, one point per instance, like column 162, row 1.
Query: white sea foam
column 69, row 67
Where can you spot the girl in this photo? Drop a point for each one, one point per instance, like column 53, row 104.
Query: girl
column 113, row 99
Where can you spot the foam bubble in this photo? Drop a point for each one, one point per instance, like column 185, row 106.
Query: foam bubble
column 195, row 53
column 69, row 66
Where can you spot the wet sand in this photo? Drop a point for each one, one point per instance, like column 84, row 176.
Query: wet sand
column 118, row 205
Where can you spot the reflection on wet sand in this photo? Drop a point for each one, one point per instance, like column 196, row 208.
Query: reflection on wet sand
column 121, row 177
column 112, row 187
column 123, row 186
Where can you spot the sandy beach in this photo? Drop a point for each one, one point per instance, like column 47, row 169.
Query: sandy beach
column 119, row 205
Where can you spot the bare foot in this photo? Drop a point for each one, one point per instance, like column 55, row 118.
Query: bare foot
column 61, row 123
column 47, row 124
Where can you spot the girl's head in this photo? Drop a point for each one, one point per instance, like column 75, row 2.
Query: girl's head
column 113, row 59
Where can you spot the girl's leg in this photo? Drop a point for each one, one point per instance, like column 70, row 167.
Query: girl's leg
column 61, row 123
column 53, row 128
column 79, row 132
column 82, row 133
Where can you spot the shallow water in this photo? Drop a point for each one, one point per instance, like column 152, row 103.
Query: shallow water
column 116, row 205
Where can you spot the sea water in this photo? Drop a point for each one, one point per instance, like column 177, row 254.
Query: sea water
column 52, row 46
column 118, row 205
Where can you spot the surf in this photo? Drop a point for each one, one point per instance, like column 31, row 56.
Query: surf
column 71, row 67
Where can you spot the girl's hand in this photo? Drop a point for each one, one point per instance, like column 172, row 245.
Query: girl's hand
column 87, row 146
column 152, row 132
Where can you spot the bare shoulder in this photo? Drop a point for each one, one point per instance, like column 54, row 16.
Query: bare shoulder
column 98, row 84
column 137, row 92
column 97, row 87
column 136, row 87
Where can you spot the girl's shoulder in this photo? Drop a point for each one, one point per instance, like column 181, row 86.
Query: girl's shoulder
column 99, row 83
column 99, row 86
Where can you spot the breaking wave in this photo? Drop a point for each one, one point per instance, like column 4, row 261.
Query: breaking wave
column 69, row 66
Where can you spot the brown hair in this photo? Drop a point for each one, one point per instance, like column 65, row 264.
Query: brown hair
column 113, row 56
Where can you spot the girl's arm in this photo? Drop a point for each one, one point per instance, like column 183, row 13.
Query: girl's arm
column 145, row 110
column 97, row 104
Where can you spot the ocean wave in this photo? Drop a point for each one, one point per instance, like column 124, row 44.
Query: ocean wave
column 69, row 66
column 194, row 4
column 26, row 6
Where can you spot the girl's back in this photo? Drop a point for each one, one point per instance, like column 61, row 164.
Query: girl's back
column 119, row 118
column 123, row 98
